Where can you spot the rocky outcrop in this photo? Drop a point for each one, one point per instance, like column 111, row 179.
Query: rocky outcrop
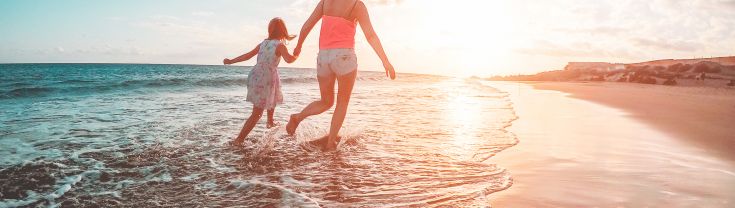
column 666, row 72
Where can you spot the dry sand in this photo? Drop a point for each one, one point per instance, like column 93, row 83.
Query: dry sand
column 626, row 153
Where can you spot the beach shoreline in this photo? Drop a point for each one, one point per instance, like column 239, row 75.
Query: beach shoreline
column 701, row 115
column 575, row 152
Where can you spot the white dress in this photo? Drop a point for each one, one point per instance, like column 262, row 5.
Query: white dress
column 264, row 85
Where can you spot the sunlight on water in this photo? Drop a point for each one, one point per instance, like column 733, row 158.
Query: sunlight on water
column 461, row 117
column 461, row 110
column 157, row 138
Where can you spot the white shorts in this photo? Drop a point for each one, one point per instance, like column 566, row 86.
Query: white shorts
column 340, row 61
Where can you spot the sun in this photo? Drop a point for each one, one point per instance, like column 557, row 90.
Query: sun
column 471, row 37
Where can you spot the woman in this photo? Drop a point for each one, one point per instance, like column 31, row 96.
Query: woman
column 337, row 59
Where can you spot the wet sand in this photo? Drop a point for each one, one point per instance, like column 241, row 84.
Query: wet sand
column 578, row 153
column 704, row 116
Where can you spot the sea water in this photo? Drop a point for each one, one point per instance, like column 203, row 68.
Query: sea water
column 101, row 135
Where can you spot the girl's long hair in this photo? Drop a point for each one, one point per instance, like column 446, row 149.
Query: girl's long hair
column 277, row 30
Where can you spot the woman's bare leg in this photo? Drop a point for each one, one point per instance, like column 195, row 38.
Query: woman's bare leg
column 249, row 125
column 326, row 88
column 346, row 82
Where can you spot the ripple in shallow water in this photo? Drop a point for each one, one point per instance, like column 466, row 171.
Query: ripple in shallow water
column 419, row 141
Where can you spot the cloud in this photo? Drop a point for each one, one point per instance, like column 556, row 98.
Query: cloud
column 575, row 50
column 640, row 29
column 163, row 17
column 183, row 40
column 116, row 18
column 728, row 3
column 172, row 26
column 305, row 7
column 662, row 44
column 202, row 13
column 384, row 2
column 601, row 30
column 111, row 50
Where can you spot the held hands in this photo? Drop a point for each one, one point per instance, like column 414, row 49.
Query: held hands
column 297, row 51
column 389, row 71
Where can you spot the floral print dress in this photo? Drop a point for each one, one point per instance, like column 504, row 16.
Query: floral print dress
column 264, row 85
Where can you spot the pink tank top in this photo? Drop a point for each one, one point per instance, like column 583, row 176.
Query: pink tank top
column 337, row 32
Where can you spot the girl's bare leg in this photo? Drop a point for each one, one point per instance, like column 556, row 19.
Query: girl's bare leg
column 346, row 82
column 249, row 125
column 326, row 88
column 270, row 123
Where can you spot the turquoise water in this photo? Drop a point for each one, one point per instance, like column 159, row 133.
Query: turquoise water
column 90, row 135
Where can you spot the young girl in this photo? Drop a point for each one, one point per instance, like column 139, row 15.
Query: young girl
column 264, row 86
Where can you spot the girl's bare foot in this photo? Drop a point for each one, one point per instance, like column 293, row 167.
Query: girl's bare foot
column 293, row 123
column 272, row 124
column 237, row 142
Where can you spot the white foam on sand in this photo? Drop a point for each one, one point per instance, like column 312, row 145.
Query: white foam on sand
column 62, row 186
column 15, row 151
column 289, row 198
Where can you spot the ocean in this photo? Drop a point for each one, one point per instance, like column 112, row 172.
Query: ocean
column 140, row 135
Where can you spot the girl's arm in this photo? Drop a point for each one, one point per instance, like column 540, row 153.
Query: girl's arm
column 283, row 52
column 367, row 27
column 316, row 15
column 243, row 57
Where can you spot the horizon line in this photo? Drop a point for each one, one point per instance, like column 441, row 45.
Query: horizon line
column 118, row 63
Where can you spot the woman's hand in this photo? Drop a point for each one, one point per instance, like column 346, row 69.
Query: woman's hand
column 389, row 71
column 227, row 61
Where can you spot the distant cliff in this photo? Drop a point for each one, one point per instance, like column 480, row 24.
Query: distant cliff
column 725, row 61
column 668, row 71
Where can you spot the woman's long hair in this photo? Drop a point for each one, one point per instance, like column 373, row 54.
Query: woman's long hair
column 277, row 30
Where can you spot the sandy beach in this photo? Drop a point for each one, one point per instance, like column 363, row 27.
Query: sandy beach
column 704, row 116
column 618, row 145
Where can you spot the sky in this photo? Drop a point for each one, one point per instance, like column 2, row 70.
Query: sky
column 457, row 37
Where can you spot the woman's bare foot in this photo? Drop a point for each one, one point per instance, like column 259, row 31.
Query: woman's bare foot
column 330, row 146
column 293, row 123
column 272, row 124
column 322, row 142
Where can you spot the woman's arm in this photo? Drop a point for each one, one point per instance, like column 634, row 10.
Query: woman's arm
column 316, row 15
column 367, row 27
column 283, row 52
column 243, row 57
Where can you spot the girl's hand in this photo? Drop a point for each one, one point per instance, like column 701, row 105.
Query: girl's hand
column 297, row 51
column 389, row 71
column 227, row 61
